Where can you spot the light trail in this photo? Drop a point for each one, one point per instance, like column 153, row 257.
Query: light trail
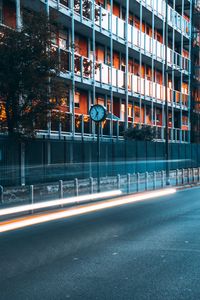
column 58, row 202
column 38, row 219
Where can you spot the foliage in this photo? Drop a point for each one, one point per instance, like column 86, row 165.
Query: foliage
column 140, row 133
column 29, row 66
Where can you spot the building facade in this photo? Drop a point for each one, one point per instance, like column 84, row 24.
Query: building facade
column 136, row 57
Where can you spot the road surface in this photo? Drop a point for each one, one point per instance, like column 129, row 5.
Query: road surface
column 146, row 250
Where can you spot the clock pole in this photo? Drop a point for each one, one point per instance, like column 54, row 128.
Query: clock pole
column 98, row 114
column 98, row 156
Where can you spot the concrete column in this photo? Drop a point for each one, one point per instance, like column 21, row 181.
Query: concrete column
column 18, row 15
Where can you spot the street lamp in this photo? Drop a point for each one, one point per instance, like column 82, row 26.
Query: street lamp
column 98, row 114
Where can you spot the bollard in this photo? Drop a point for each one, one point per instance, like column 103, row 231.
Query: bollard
column 154, row 180
column 128, row 183
column 182, row 175
column 1, row 194
column 76, row 187
column 118, row 181
column 91, row 185
column 60, row 189
column 146, row 181
column 31, row 196
column 162, row 179
column 177, row 176
column 138, row 182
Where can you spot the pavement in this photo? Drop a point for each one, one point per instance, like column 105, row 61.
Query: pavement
column 144, row 250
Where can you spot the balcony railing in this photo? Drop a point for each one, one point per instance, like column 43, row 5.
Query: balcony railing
column 115, row 128
column 139, row 39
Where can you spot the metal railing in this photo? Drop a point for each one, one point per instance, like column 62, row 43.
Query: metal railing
column 129, row 183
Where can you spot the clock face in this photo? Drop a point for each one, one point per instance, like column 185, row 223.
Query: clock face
column 98, row 113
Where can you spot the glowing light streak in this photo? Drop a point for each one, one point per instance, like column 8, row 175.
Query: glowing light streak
column 58, row 202
column 16, row 224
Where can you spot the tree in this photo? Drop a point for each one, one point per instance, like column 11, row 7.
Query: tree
column 140, row 133
column 29, row 69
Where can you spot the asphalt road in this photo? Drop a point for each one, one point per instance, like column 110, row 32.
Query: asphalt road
column 146, row 250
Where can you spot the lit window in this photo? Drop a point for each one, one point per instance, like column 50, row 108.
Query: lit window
column 130, row 111
column 77, row 100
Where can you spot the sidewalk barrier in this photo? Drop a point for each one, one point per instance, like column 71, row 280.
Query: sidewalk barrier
column 162, row 179
column 91, row 183
column 31, row 196
column 138, row 181
column 154, row 180
column 1, row 194
column 177, row 176
column 60, row 189
column 146, row 181
column 188, row 175
column 182, row 176
column 118, row 181
column 128, row 183
column 76, row 187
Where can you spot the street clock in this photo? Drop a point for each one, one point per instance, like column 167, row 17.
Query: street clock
column 98, row 113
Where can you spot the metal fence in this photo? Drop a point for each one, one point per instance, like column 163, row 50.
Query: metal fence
column 128, row 183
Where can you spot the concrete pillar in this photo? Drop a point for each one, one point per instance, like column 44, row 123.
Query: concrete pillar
column 18, row 15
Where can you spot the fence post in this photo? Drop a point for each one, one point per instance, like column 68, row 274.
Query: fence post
column 60, row 189
column 128, row 183
column 1, row 194
column 118, row 181
column 162, row 179
column 154, row 180
column 76, row 187
column 188, row 175
column 182, row 175
column 198, row 174
column 146, row 181
column 137, row 182
column 193, row 176
column 31, row 196
column 91, row 185
column 177, row 176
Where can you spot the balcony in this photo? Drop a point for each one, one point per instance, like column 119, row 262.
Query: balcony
column 136, row 38
column 83, row 127
column 174, row 18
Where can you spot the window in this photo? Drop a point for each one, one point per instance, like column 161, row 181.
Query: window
column 123, row 112
column 64, row 2
column 100, row 3
column 77, row 100
column 100, row 100
column 130, row 111
column 108, row 106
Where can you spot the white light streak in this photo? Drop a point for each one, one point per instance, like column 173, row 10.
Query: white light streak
column 16, row 224
column 27, row 207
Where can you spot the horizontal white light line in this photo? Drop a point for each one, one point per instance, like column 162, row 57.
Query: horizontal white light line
column 16, row 224
column 27, row 207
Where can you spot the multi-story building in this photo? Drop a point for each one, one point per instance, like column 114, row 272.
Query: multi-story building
column 195, row 74
column 132, row 56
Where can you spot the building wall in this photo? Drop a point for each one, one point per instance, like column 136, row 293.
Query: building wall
column 139, row 96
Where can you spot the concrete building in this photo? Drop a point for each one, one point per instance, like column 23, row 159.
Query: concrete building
column 133, row 56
